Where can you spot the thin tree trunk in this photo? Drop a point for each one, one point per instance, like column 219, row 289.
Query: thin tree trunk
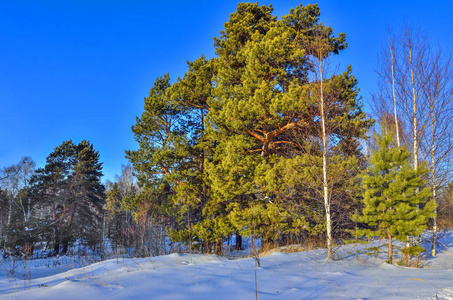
column 414, row 111
column 56, row 231
column 390, row 256
column 433, row 251
column 324, row 167
column 392, row 61
column 9, row 213
column 433, row 179
column 408, row 257
column 29, row 209
column 414, row 117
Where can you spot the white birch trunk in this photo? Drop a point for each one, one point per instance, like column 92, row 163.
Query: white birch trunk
column 9, row 212
column 324, row 167
column 433, row 250
column 433, row 179
column 414, row 118
column 392, row 62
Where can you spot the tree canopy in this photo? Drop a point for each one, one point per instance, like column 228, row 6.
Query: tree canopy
column 218, row 144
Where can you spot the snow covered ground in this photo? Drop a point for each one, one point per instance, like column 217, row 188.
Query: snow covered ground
column 302, row 275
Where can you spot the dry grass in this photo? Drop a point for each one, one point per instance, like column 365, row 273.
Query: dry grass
column 284, row 249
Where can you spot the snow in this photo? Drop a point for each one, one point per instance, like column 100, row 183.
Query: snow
column 300, row 275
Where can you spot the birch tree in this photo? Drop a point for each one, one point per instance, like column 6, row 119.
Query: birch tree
column 319, row 51
column 438, row 144
column 415, row 80
column 16, row 180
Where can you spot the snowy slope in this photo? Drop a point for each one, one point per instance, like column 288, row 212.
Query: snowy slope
column 303, row 275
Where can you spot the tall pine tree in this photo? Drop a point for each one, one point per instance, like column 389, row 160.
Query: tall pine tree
column 70, row 185
column 265, row 118
column 216, row 145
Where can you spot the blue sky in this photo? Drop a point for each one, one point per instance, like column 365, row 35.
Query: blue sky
column 79, row 69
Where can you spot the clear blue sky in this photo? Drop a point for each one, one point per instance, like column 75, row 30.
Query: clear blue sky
column 79, row 69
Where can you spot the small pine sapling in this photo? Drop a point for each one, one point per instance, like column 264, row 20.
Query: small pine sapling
column 392, row 208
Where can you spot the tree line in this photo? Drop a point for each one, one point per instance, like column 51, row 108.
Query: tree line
column 58, row 204
column 265, row 140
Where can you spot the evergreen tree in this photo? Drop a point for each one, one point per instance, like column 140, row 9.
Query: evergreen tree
column 216, row 145
column 171, row 160
column 115, row 217
column 265, row 116
column 391, row 205
column 70, row 185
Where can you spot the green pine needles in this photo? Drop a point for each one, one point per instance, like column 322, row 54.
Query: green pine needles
column 392, row 206
column 235, row 145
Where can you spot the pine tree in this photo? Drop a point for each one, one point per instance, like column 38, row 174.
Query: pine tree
column 266, row 115
column 70, row 195
column 391, row 206
column 214, row 146
column 173, row 150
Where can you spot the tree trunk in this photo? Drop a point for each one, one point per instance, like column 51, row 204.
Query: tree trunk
column 433, row 250
column 433, row 180
column 414, row 109
column 324, row 167
column 390, row 256
column 408, row 256
column 238, row 241
column 392, row 58
column 414, row 118
column 28, row 209
column 218, row 247
column 64, row 249
column 9, row 213
column 56, row 231
column 56, row 248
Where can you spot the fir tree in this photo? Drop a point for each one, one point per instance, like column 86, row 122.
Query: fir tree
column 391, row 206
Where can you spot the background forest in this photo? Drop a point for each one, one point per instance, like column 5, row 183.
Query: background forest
column 267, row 140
